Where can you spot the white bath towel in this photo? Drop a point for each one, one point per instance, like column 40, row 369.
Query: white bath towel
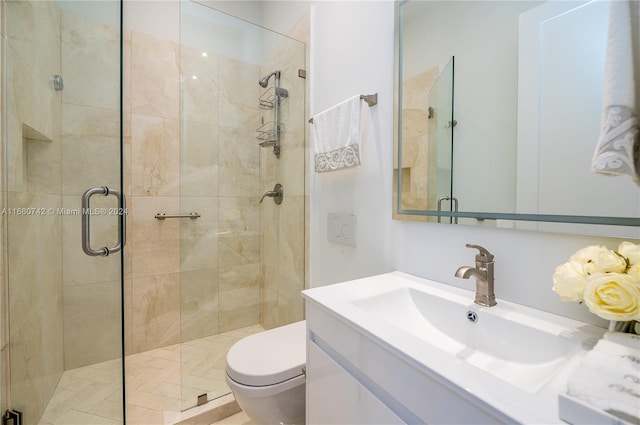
column 618, row 148
column 336, row 136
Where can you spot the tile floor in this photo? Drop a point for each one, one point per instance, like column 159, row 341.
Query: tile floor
column 237, row 419
column 167, row 379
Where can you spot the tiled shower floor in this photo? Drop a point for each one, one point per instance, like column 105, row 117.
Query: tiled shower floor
column 92, row 394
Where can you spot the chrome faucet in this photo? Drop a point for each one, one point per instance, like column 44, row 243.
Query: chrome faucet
column 483, row 272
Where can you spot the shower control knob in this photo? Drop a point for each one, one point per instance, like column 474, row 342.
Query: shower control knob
column 277, row 194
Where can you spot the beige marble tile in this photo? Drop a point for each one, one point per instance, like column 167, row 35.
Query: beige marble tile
column 290, row 301
column 291, row 170
column 27, row 368
column 199, row 148
column 269, row 312
column 143, row 416
column 90, row 148
column 199, row 237
column 154, row 244
column 33, row 241
column 127, row 62
column 199, row 85
column 294, row 122
column 156, row 312
column 238, row 100
column 239, row 163
column 127, row 159
column 199, row 304
column 291, row 241
column 154, row 76
column 90, row 62
column 33, row 112
column 34, row 30
column 417, row 97
column 128, row 315
column 239, row 216
column 155, row 165
column 42, row 163
column 268, row 170
column 74, row 417
column 92, row 323
column 237, row 419
column 239, row 296
column 52, row 343
column 239, row 250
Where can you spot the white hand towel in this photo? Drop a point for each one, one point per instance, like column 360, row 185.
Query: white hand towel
column 336, row 136
column 618, row 148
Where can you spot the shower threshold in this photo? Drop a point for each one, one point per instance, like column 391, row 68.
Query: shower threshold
column 160, row 383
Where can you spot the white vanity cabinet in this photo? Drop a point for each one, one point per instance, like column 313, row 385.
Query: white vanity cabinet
column 336, row 397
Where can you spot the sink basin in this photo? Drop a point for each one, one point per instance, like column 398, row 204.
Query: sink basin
column 507, row 340
column 444, row 322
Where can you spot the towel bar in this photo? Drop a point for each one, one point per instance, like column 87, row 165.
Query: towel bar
column 371, row 99
column 162, row 216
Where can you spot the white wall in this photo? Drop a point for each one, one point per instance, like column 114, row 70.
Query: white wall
column 352, row 53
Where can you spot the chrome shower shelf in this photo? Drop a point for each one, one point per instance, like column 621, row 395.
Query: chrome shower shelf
column 268, row 132
column 271, row 96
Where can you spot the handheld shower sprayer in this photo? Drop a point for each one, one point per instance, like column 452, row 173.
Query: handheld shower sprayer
column 264, row 81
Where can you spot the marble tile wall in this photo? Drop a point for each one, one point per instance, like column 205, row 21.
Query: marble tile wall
column 152, row 160
column 90, row 157
column 219, row 179
column 33, row 284
column 283, row 226
column 192, row 121
column 415, row 143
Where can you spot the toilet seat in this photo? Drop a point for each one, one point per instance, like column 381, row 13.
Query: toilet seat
column 267, row 390
column 268, row 357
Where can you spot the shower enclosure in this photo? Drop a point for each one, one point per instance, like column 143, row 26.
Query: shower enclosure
column 169, row 121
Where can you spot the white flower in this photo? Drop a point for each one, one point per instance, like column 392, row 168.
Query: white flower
column 568, row 281
column 599, row 259
column 631, row 252
column 613, row 296
column 634, row 272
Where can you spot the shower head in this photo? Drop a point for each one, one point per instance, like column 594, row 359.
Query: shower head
column 264, row 81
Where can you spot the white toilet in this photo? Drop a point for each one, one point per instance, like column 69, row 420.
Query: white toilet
column 265, row 373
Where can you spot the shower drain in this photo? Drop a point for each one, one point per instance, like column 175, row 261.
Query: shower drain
column 472, row 316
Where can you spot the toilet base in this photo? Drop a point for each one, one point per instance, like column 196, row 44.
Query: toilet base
column 282, row 403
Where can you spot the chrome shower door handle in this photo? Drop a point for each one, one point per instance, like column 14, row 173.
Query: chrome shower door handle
column 86, row 227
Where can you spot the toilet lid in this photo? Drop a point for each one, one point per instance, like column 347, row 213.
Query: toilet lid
column 269, row 357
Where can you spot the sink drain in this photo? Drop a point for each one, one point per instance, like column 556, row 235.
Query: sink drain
column 472, row 316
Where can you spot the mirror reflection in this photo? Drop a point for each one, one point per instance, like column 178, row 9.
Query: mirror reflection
column 524, row 123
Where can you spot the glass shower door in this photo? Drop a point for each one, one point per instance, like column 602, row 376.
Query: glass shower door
column 241, row 261
column 440, row 147
column 63, row 137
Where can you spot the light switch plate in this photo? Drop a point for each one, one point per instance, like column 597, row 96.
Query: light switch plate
column 341, row 228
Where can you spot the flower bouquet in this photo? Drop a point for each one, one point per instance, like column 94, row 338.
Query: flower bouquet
column 608, row 282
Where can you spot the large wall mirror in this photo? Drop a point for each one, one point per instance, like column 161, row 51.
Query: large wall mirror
column 498, row 110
